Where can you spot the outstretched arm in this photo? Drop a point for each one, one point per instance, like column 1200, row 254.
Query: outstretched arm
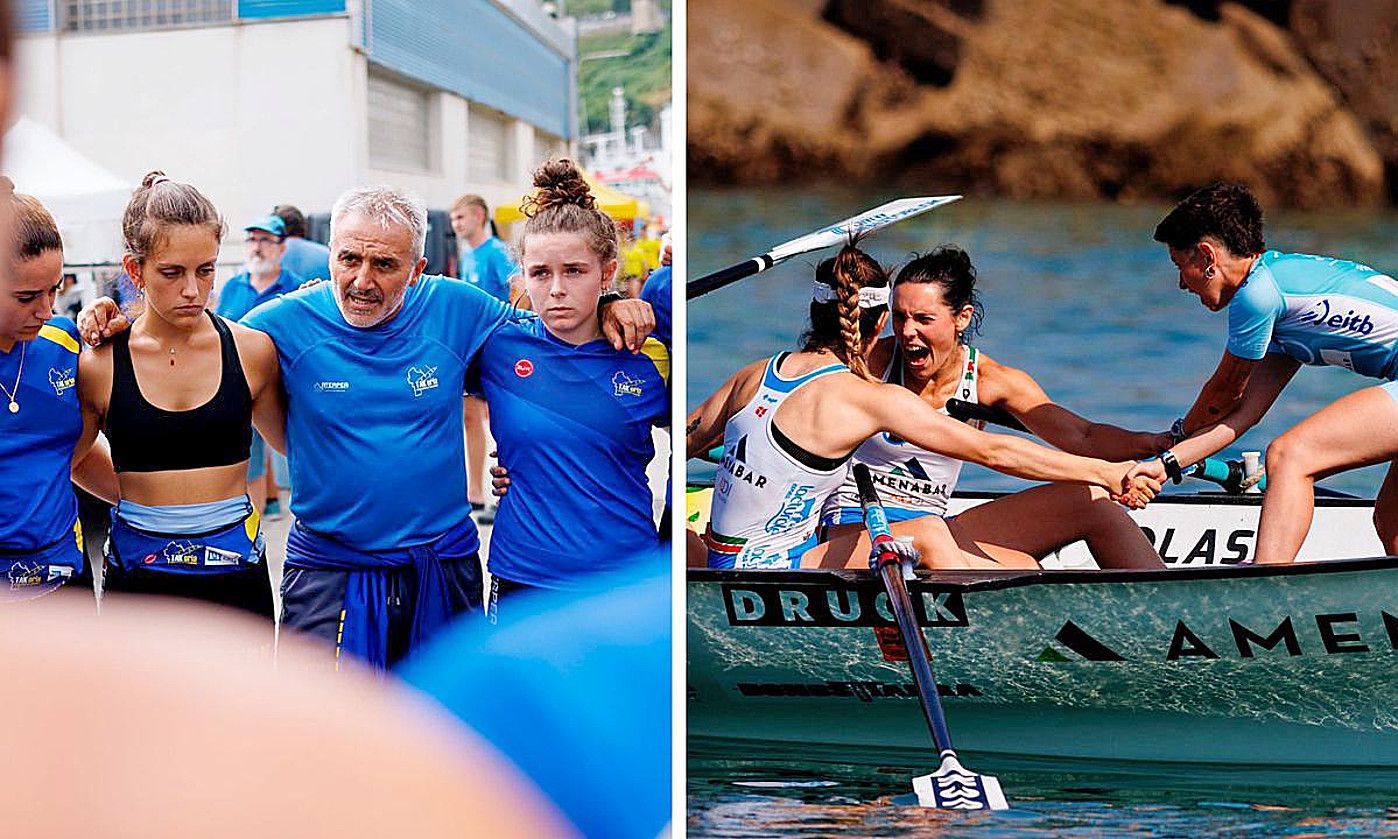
column 1016, row 391
column 1263, row 387
column 897, row 410
column 1222, row 393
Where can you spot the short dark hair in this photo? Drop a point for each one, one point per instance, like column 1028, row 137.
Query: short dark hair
column 293, row 218
column 1228, row 212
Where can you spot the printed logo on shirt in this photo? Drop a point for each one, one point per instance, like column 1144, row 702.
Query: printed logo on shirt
column 625, row 385
column 524, row 368
column 795, row 510
column 62, row 380
column 422, row 379
column 331, row 387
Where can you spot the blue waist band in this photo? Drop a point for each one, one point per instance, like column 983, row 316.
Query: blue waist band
column 184, row 519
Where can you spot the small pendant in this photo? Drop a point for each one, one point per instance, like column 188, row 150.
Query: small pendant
column 172, row 356
column 14, row 407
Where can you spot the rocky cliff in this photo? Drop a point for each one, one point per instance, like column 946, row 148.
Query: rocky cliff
column 1047, row 98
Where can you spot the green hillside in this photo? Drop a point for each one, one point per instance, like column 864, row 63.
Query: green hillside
column 642, row 69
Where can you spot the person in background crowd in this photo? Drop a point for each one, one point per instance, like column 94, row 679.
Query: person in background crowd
column 264, row 277
column 484, row 261
column 305, row 258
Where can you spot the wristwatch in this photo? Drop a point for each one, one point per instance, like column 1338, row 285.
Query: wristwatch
column 1172, row 466
column 1176, row 431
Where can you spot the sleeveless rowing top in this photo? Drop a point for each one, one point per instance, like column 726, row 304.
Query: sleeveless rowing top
column 145, row 438
column 768, row 491
column 911, row 481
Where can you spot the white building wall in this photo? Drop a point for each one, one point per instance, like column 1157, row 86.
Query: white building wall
column 236, row 110
column 252, row 113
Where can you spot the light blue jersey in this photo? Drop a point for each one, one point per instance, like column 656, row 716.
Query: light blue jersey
column 1317, row 310
column 490, row 267
column 374, row 415
column 38, row 513
column 238, row 297
column 573, row 425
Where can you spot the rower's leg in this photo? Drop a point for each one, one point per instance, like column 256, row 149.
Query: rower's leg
column 1357, row 430
column 848, row 547
column 1035, row 521
column 1386, row 511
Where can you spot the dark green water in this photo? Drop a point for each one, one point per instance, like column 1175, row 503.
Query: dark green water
column 1083, row 299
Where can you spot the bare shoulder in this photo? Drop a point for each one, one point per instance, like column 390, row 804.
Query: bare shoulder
column 998, row 382
column 256, row 352
column 249, row 340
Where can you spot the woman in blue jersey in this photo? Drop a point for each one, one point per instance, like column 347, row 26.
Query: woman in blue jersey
column 934, row 310
column 1285, row 310
column 789, row 425
column 176, row 396
column 41, row 422
column 571, row 416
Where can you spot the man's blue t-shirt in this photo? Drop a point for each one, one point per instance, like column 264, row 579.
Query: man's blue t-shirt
column 306, row 259
column 1317, row 310
column 573, row 426
column 490, row 267
column 37, row 506
column 374, row 415
column 656, row 292
column 238, row 297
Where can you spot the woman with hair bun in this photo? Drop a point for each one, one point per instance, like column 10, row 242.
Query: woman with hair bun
column 571, row 415
column 42, row 435
column 789, row 425
column 935, row 310
column 177, row 395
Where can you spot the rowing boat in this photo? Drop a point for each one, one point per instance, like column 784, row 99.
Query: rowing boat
column 1276, row 666
column 1204, row 662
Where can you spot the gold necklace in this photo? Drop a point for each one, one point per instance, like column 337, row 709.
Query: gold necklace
column 14, row 404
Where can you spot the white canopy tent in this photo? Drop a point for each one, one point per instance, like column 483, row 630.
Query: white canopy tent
column 86, row 200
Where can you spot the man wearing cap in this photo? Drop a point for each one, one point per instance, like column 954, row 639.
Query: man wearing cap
column 262, row 279
column 306, row 259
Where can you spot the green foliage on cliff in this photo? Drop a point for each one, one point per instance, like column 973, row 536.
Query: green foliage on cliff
column 640, row 64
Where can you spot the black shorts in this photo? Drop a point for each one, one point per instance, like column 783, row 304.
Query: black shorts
column 313, row 600
column 502, row 589
column 248, row 588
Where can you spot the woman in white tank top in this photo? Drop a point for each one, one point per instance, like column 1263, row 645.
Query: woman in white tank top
column 790, row 423
column 934, row 308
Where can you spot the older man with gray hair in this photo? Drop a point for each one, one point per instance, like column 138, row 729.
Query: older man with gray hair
column 384, row 550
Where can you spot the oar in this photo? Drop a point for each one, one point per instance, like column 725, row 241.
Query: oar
column 952, row 786
column 836, row 234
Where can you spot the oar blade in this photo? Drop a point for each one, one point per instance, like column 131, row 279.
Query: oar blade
column 866, row 222
column 954, row 787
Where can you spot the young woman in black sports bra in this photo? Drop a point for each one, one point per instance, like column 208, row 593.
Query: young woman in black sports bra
column 176, row 396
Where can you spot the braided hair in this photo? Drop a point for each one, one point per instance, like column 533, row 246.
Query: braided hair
column 841, row 325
